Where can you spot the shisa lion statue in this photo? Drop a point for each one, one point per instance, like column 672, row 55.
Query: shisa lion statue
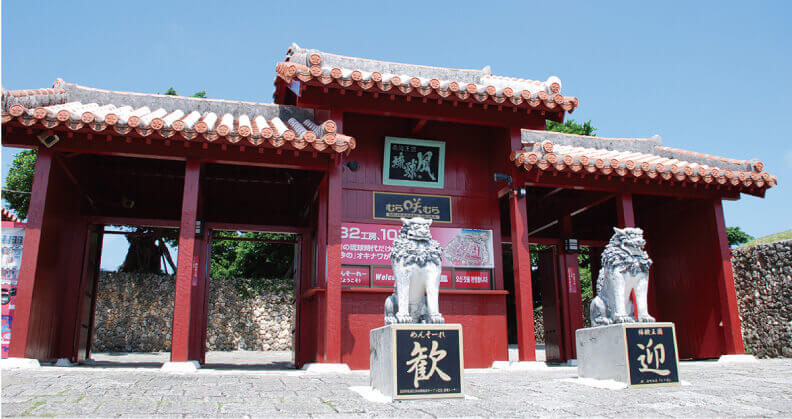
column 625, row 268
column 416, row 260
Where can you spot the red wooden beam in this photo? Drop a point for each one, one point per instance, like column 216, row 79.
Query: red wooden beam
column 400, row 107
column 138, row 222
column 730, row 315
column 570, row 211
column 29, row 267
column 74, row 180
column 249, row 239
column 259, row 228
column 212, row 153
column 419, row 126
column 603, row 183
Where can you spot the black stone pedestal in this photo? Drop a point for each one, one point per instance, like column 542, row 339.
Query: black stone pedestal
column 410, row 361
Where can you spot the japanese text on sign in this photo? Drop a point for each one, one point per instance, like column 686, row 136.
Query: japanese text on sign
column 370, row 244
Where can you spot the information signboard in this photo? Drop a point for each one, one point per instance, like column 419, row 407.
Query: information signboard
column 465, row 278
column 428, row 361
column 357, row 276
column 394, row 206
column 651, row 354
column 12, row 241
column 410, row 162
column 370, row 244
column 383, row 277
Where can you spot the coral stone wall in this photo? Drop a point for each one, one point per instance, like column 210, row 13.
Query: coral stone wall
column 763, row 278
column 134, row 313
column 539, row 326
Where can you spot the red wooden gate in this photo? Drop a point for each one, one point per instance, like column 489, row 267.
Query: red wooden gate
column 551, row 305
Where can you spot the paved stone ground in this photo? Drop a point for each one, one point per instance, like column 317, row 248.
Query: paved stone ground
column 232, row 359
column 710, row 389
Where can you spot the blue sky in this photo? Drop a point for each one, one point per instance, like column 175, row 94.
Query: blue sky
column 712, row 77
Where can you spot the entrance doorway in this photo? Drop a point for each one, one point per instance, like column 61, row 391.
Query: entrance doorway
column 254, row 279
column 511, row 307
column 128, row 296
column 566, row 229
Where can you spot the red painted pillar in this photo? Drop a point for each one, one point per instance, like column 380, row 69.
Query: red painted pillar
column 333, row 306
column 333, row 279
column 730, row 315
column 521, row 264
column 570, row 289
column 188, row 271
column 626, row 218
column 199, row 307
column 624, row 210
column 320, row 302
column 30, row 257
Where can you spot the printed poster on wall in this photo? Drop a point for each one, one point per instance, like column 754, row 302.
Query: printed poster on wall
column 12, row 241
column 370, row 244
column 383, row 277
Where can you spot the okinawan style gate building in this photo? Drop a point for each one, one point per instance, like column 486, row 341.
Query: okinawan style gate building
column 349, row 146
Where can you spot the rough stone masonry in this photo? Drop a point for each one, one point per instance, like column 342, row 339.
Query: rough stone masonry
column 763, row 278
column 134, row 313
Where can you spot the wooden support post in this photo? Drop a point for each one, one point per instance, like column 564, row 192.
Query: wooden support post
column 30, row 257
column 626, row 218
column 523, row 288
column 730, row 315
column 188, row 271
column 570, row 289
column 200, row 305
column 624, row 210
column 521, row 261
column 333, row 278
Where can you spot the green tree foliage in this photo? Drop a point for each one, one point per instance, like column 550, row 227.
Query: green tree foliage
column 172, row 92
column 19, row 182
column 265, row 265
column 737, row 236
column 571, row 127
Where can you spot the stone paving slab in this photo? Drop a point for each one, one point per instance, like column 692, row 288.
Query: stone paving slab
column 711, row 389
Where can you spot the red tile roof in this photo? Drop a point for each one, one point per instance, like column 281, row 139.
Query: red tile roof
column 8, row 216
column 477, row 86
column 192, row 119
column 637, row 158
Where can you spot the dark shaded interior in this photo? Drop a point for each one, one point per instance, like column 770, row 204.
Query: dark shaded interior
column 149, row 188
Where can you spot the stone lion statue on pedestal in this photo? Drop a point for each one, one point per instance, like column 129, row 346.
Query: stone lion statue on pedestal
column 416, row 260
column 625, row 268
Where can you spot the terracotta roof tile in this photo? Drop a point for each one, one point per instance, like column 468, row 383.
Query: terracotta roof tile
column 481, row 86
column 193, row 119
column 8, row 216
column 637, row 158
